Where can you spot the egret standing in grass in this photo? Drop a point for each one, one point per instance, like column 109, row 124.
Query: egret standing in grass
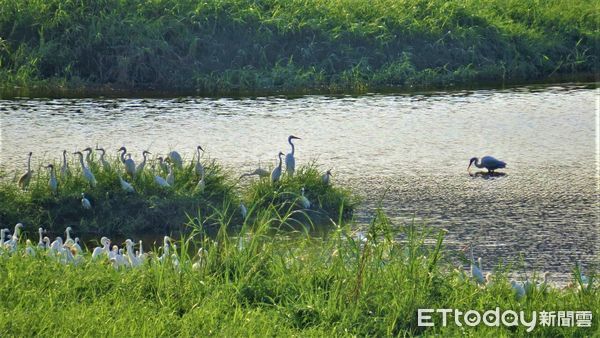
column 175, row 158
column 126, row 186
column 163, row 164
column 276, row 173
column 201, row 184
column 105, row 164
column 87, row 173
column 141, row 166
column 171, row 176
column 290, row 161
column 476, row 270
column 303, row 200
column 128, row 162
column 52, row 182
column 199, row 166
column 326, row 178
column 488, row 162
column 26, row 177
column 64, row 169
column 85, row 202
column 88, row 159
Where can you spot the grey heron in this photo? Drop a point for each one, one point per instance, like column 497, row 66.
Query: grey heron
column 290, row 161
column 488, row 162
column 276, row 173
column 26, row 177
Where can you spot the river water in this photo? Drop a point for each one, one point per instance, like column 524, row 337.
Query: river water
column 407, row 152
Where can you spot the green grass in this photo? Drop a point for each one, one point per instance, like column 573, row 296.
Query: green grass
column 237, row 47
column 156, row 210
column 272, row 286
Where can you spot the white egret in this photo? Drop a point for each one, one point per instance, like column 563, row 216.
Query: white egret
column 68, row 240
column 129, row 163
column 290, row 161
column 105, row 164
column 104, row 249
column 56, row 246
column 52, row 182
column 11, row 244
column 488, row 162
column 126, row 186
column 201, row 184
column 165, row 248
column 326, row 178
column 76, row 246
column 46, row 241
column 260, row 172
column 29, row 250
column 243, row 210
column 140, row 254
column 199, row 166
column 276, row 173
column 41, row 244
column 175, row 159
column 140, row 167
column 2, row 235
column 88, row 160
column 163, row 164
column 85, row 202
column 476, row 270
column 26, row 177
column 87, row 173
column 134, row 260
column 64, row 169
column 171, row 176
column 303, row 200
column 200, row 260
column 161, row 181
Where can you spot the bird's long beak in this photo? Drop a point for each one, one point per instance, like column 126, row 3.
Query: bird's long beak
column 469, row 167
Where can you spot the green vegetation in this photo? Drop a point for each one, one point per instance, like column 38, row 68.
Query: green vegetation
column 265, row 285
column 231, row 46
column 158, row 210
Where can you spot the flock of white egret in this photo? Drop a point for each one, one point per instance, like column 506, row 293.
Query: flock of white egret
column 69, row 251
column 168, row 165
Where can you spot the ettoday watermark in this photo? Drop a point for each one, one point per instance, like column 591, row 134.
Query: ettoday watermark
column 507, row 318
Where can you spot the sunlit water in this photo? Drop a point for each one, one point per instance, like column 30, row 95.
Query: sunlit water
column 408, row 153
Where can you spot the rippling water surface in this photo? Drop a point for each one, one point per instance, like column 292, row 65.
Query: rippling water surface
column 408, row 152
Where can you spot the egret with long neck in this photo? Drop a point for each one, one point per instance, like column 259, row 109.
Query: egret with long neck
column 87, row 173
column 276, row 173
column 290, row 161
column 326, row 178
column 88, row 159
column 26, row 177
column 64, row 169
column 141, row 166
column 52, row 182
column 128, row 162
column 105, row 164
column 199, row 166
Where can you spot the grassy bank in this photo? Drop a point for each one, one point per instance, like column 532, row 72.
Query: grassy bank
column 266, row 285
column 219, row 47
column 164, row 210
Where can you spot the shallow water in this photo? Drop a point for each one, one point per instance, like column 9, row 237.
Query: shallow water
column 408, row 153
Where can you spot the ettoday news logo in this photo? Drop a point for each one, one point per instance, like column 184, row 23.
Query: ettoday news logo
column 427, row 317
